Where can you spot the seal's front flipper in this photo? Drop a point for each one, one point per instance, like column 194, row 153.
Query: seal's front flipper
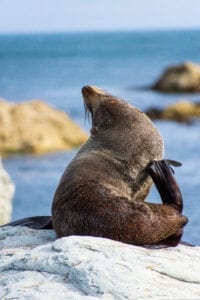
column 162, row 175
column 40, row 222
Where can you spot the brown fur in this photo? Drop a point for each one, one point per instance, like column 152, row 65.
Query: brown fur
column 102, row 191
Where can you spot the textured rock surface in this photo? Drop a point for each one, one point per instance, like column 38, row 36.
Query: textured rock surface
column 6, row 194
column 179, row 78
column 182, row 111
column 35, row 127
column 33, row 265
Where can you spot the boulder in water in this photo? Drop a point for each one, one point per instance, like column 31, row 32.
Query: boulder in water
column 182, row 111
column 35, row 127
column 179, row 78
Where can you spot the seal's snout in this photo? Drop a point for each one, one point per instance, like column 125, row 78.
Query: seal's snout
column 92, row 91
column 92, row 96
column 87, row 90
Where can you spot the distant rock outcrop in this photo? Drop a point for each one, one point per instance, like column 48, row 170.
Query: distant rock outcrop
column 179, row 78
column 35, row 127
column 7, row 189
column 182, row 111
column 33, row 265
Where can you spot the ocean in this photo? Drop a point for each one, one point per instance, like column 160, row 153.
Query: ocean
column 54, row 67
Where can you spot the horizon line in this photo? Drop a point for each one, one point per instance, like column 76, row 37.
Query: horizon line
column 78, row 31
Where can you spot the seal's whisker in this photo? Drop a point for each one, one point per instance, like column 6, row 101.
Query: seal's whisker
column 87, row 114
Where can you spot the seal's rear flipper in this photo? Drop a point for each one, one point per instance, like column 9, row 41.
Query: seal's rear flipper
column 40, row 222
column 184, row 243
column 163, row 244
column 171, row 241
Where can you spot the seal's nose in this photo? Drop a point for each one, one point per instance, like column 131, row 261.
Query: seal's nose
column 84, row 89
column 92, row 97
column 87, row 90
column 92, row 91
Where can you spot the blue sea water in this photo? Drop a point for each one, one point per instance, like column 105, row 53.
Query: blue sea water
column 54, row 67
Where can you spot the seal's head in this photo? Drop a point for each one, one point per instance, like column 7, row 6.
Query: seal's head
column 121, row 127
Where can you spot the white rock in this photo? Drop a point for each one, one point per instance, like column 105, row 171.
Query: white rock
column 6, row 194
column 33, row 265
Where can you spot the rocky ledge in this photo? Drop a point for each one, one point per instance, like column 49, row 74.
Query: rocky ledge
column 182, row 111
column 35, row 127
column 179, row 78
column 34, row 265
column 7, row 189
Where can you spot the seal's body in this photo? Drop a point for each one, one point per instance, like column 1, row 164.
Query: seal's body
column 102, row 191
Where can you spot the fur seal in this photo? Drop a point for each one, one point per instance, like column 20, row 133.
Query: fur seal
column 102, row 191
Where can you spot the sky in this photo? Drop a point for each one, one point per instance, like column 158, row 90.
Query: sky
column 97, row 15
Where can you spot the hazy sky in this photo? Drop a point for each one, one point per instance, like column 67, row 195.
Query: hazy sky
column 67, row 15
